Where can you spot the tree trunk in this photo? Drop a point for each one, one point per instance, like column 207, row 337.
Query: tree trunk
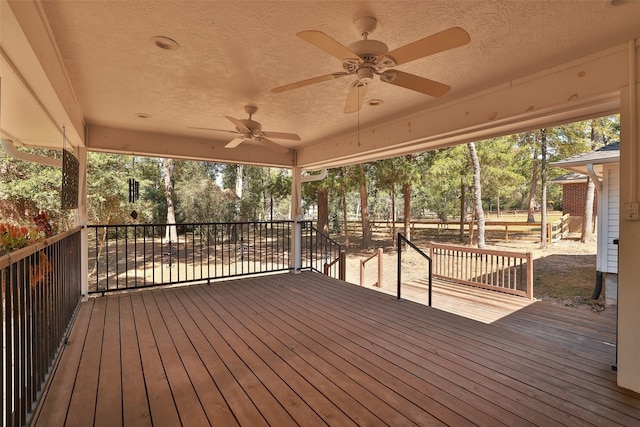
column 533, row 189
column 587, row 224
column 393, row 213
column 239, row 179
column 345, row 216
column 477, row 193
column 543, row 178
column 167, row 170
column 364, row 209
column 407, row 209
column 472, row 225
column 323, row 210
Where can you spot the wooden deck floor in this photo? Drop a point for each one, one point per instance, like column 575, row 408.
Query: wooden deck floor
column 309, row 350
column 467, row 301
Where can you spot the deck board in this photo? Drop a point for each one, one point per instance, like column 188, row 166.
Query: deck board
column 82, row 405
column 108, row 411
column 160, row 401
column 64, row 373
column 136, row 411
column 215, row 408
column 309, row 350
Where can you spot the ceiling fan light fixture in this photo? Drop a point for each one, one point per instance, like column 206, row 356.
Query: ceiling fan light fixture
column 165, row 43
column 365, row 74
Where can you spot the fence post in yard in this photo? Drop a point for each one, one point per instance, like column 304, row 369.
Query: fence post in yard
column 342, row 266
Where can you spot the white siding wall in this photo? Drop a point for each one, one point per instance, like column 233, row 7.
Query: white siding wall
column 609, row 221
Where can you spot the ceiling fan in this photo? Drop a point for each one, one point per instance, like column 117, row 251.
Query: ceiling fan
column 250, row 130
column 366, row 58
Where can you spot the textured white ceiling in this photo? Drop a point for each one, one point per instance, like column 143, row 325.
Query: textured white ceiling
column 233, row 52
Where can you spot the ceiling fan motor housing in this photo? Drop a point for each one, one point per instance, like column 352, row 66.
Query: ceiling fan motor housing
column 369, row 51
column 252, row 125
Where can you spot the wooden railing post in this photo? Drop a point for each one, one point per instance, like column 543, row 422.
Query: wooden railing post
column 380, row 266
column 529, row 275
column 378, row 254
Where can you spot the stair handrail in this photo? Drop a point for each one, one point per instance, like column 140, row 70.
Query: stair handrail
column 400, row 240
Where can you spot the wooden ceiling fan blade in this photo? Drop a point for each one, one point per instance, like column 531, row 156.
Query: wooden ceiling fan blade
column 355, row 97
column 235, row 142
column 238, row 124
column 413, row 82
column 281, row 135
column 212, row 129
column 328, row 44
column 308, row 82
column 438, row 42
column 275, row 147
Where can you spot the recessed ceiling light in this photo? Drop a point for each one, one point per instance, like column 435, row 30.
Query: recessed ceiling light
column 375, row 102
column 142, row 115
column 165, row 43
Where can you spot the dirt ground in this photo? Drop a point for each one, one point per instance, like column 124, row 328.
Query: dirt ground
column 564, row 272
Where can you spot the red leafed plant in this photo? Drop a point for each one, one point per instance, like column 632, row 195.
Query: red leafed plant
column 14, row 237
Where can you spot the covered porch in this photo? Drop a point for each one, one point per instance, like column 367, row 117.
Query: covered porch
column 306, row 349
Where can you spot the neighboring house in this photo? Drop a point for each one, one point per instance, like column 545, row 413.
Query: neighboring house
column 574, row 194
column 603, row 167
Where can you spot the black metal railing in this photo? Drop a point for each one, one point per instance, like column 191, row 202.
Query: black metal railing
column 323, row 254
column 134, row 256
column 41, row 290
column 401, row 240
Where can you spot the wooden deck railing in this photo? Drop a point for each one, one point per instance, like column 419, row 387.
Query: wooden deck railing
column 377, row 254
column 41, row 289
column 503, row 271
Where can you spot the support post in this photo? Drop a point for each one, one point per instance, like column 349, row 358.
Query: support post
column 296, row 215
column 81, row 221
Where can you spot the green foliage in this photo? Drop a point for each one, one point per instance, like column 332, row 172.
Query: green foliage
column 435, row 177
column 500, row 177
column 107, row 188
column 440, row 189
column 33, row 188
column 197, row 197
